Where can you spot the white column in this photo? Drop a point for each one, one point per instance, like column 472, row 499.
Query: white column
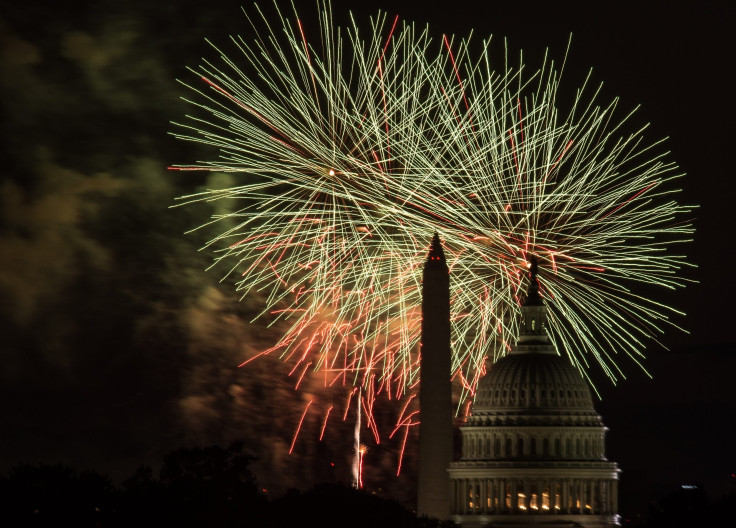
column 500, row 495
column 580, row 494
column 452, row 495
column 540, row 495
column 464, row 492
column 478, row 487
column 484, row 495
column 614, row 496
column 583, row 495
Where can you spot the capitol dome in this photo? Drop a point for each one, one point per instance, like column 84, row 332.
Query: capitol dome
column 530, row 382
column 533, row 447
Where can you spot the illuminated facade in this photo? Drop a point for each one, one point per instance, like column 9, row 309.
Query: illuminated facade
column 533, row 447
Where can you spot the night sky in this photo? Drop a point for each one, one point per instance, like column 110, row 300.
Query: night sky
column 117, row 346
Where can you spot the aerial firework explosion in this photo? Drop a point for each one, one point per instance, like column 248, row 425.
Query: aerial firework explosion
column 352, row 150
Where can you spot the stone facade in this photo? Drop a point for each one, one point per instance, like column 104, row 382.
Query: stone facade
column 435, row 390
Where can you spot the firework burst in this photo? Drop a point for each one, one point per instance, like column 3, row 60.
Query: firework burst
column 352, row 150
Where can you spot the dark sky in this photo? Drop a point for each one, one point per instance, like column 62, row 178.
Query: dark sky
column 118, row 346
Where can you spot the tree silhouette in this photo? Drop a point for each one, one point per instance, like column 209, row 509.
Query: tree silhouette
column 53, row 495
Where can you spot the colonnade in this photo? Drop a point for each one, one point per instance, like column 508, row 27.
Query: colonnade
column 569, row 445
column 534, row 495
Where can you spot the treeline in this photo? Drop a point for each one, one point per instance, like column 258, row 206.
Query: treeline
column 198, row 487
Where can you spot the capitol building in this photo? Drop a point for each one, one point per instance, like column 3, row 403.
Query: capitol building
column 533, row 447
